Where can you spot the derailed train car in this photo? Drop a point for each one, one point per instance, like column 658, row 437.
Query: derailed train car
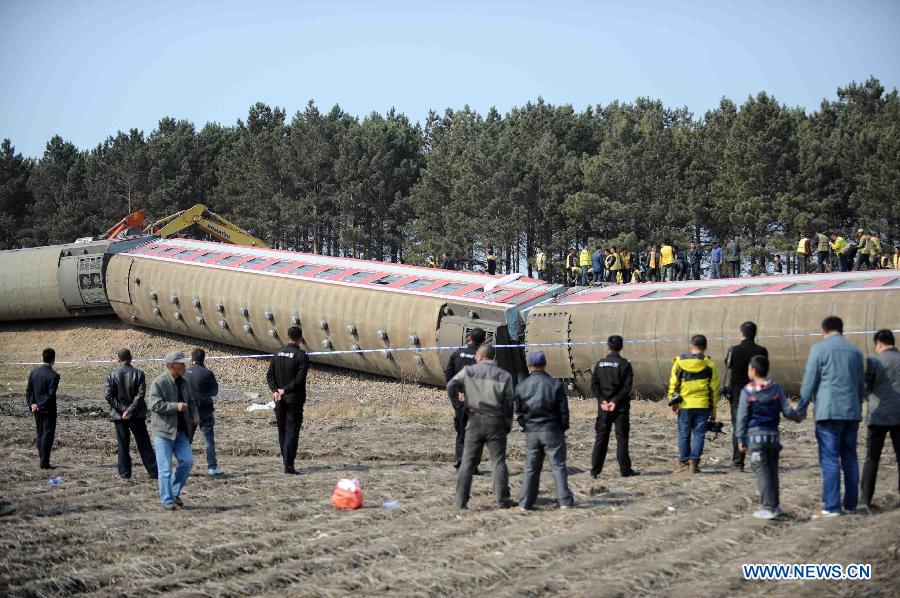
column 248, row 297
column 657, row 320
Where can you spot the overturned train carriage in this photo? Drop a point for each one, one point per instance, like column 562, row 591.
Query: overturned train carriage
column 248, row 297
column 657, row 320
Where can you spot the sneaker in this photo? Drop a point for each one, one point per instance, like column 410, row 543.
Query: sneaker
column 169, row 506
column 178, row 502
column 566, row 507
column 525, row 509
column 765, row 514
column 215, row 471
column 779, row 512
column 823, row 514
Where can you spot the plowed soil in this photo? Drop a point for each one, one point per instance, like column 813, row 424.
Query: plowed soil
column 259, row 532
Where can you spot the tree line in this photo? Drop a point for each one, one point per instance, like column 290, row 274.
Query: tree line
column 383, row 187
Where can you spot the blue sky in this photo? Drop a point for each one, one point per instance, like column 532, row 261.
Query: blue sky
column 85, row 69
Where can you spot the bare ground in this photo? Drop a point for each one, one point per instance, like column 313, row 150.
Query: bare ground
column 259, row 532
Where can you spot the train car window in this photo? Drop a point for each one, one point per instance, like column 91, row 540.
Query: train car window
column 254, row 262
column 276, row 266
column 657, row 294
column 704, row 291
column 168, row 250
column 801, row 286
column 207, row 257
column 477, row 291
column 852, row 284
column 419, row 283
column 303, row 269
column 497, row 294
column 450, row 288
column 759, row 288
column 388, row 279
column 330, row 272
column 230, row 259
column 615, row 295
column 357, row 276
column 184, row 253
column 892, row 284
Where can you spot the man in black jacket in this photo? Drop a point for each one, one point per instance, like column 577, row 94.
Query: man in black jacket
column 43, row 381
column 125, row 391
column 736, row 378
column 205, row 386
column 287, row 381
column 611, row 383
column 543, row 412
column 460, row 359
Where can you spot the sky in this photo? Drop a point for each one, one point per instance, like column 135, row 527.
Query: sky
column 87, row 69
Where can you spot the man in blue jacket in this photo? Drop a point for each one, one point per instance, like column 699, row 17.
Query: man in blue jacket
column 835, row 382
column 205, row 386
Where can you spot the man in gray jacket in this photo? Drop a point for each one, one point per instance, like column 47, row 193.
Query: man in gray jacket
column 733, row 256
column 125, row 389
column 834, row 380
column 173, row 410
column 543, row 412
column 883, row 381
column 487, row 393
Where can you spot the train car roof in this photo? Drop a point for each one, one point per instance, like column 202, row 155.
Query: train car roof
column 510, row 291
column 874, row 280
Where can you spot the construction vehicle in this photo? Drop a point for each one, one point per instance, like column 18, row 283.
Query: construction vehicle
column 135, row 220
column 206, row 221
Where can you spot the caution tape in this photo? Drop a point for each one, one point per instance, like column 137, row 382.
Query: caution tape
column 389, row 350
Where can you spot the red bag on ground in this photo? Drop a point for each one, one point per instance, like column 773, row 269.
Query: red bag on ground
column 348, row 494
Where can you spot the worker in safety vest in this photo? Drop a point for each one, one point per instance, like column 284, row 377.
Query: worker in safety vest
column 627, row 267
column 614, row 265
column 863, row 252
column 821, row 247
column 841, row 247
column 584, row 261
column 540, row 264
column 803, row 250
column 897, row 256
column 874, row 247
column 667, row 261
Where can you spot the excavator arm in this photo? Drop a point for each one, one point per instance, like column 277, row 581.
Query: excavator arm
column 207, row 221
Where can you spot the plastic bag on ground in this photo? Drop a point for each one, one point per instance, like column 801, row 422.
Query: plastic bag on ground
column 347, row 494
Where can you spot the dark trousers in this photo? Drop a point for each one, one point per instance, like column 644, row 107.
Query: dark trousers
column 45, row 421
column 764, row 461
column 606, row 421
column 737, row 457
column 874, row 444
column 843, row 263
column 735, row 269
column 289, row 417
column 552, row 444
column 653, row 275
column 695, row 271
column 460, row 419
column 125, row 428
column 801, row 263
column 484, row 431
column 822, row 257
column 208, row 425
column 862, row 260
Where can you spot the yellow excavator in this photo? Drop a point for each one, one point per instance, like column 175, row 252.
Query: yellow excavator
column 199, row 216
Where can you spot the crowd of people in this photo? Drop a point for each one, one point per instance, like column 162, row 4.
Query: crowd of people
column 666, row 261
column 486, row 402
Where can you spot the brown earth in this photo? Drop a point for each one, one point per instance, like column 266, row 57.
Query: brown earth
column 259, row 532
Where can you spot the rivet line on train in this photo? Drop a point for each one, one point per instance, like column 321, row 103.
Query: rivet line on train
column 388, row 350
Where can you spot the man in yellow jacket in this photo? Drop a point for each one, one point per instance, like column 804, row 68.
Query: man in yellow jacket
column 693, row 388
column 804, row 248
column 841, row 247
column 667, row 261
column 584, row 261
column 540, row 264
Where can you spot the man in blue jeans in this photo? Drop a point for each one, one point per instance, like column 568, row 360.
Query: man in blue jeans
column 173, row 411
column 204, row 387
column 834, row 380
column 692, row 395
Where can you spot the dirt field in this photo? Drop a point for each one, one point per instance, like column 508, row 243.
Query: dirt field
column 259, row 532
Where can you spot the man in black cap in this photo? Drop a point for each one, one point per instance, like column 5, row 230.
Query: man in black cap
column 173, row 411
column 460, row 359
column 737, row 359
column 543, row 413
column 125, row 389
column 40, row 396
column 611, row 384
column 287, row 381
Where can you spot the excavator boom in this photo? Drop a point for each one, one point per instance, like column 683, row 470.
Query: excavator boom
column 209, row 222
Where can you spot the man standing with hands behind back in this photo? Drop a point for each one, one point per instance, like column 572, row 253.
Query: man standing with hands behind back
column 287, row 381
column 41, row 400
column 611, row 383
column 173, row 411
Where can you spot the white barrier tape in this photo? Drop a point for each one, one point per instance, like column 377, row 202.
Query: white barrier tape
column 448, row 348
